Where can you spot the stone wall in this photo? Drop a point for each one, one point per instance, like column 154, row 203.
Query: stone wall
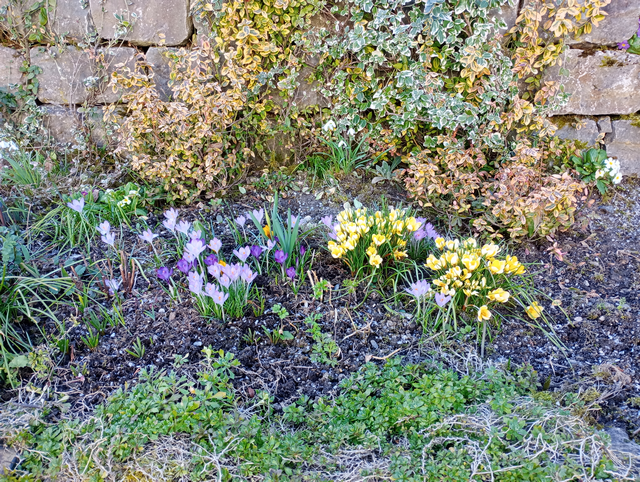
column 603, row 81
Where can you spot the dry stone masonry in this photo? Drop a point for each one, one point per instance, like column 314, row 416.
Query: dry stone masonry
column 603, row 82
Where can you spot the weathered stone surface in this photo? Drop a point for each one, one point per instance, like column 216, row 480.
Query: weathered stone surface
column 624, row 144
column 10, row 63
column 604, row 125
column 101, row 133
column 619, row 25
column 507, row 13
column 73, row 76
column 62, row 123
column 161, row 71
column 587, row 133
column 308, row 92
column 155, row 22
column 71, row 19
column 7, row 458
column 600, row 83
column 625, row 449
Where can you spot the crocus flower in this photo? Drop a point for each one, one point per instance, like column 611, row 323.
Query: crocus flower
column 109, row 238
column 113, row 285
column 104, row 228
column 280, row 256
column 215, row 270
column 256, row 251
column 219, row 298
column 211, row 260
column 183, row 227
column 195, row 234
column 232, row 271
column 225, row 281
column 210, row 290
column 195, row 247
column 77, row 205
column 170, row 224
column 431, row 231
column 184, row 265
column 442, row 300
column 291, row 272
column 189, row 256
column 171, row 215
column 294, row 220
column 164, row 273
column 215, row 244
column 241, row 220
column 247, row 275
column 242, row 253
column 420, row 234
column 258, row 215
column 303, row 249
column 419, row 288
column 148, row 236
column 327, row 221
column 270, row 245
column 196, row 280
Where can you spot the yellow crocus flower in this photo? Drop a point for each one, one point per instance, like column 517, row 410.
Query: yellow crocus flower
column 378, row 239
column 483, row 313
column 440, row 242
column 371, row 250
column 434, row 263
column 451, row 258
column 471, row 261
column 397, row 254
column 412, row 224
column 499, row 295
column 490, row 250
column 497, row 266
column 375, row 260
column 534, row 310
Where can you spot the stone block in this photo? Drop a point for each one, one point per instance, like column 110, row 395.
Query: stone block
column 10, row 62
column 620, row 24
column 161, row 71
column 585, row 130
column 73, row 76
column 507, row 13
column 600, row 83
column 154, row 22
column 71, row 19
column 604, row 125
column 624, row 144
column 62, row 123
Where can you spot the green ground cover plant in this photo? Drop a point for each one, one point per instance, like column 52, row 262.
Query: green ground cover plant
column 417, row 421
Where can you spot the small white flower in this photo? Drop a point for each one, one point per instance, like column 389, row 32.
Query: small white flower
column 342, row 144
column 617, row 178
column 351, row 132
column 329, row 126
column 599, row 173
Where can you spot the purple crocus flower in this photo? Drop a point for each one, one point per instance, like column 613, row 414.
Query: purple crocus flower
column 242, row 253
column 109, row 238
column 77, row 205
column 241, row 220
column 183, row 227
column 219, row 298
column 419, row 288
column 256, row 251
column 195, row 247
column 113, row 285
column 184, row 265
column 258, row 215
column 225, row 281
column 431, row 231
column 291, row 272
column 303, row 249
column 280, row 256
column 104, row 228
column 215, row 244
column 442, row 300
column 327, row 221
column 211, row 260
column 196, row 282
column 215, row 270
column 164, row 273
column 420, row 234
column 148, row 236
